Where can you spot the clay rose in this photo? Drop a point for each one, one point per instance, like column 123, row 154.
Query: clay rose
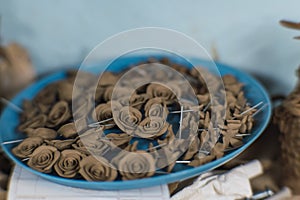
column 35, row 122
column 139, row 164
column 198, row 160
column 29, row 111
column 46, row 133
column 47, row 95
column 108, row 78
column 137, row 100
column 27, row 146
column 193, row 149
column 97, row 169
column 59, row 114
column 65, row 90
column 151, row 128
column 68, row 164
column 118, row 93
column 43, row 158
column 168, row 95
column 92, row 144
column 156, row 108
column 169, row 137
column 119, row 139
column 128, row 118
column 68, row 130
column 103, row 112
column 165, row 159
column 61, row 144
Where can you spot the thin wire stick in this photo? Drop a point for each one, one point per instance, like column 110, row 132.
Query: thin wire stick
column 106, row 120
column 207, row 106
column 183, row 162
column 203, row 151
column 97, row 125
column 252, row 108
column 180, row 122
column 173, row 112
column 260, row 109
column 10, row 104
column 157, row 146
column 25, row 159
column 242, row 135
column 12, row 142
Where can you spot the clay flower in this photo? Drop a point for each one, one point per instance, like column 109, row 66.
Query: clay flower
column 232, row 85
column 68, row 130
column 118, row 93
column 218, row 150
column 230, row 140
column 119, row 139
column 203, row 98
column 137, row 100
column 100, row 90
column 43, row 158
column 170, row 153
column 193, row 149
column 103, row 112
column 139, row 164
column 96, row 147
column 169, row 137
column 131, row 147
column 46, row 133
column 35, row 122
column 198, row 160
column 65, row 90
column 229, row 131
column 97, row 169
column 59, row 114
column 61, row 144
column 168, row 95
column 108, row 78
column 165, row 159
column 68, row 164
column 29, row 111
column 47, row 95
column 27, row 146
column 156, row 108
column 128, row 118
column 151, row 128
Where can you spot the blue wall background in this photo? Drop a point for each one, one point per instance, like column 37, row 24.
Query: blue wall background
column 246, row 34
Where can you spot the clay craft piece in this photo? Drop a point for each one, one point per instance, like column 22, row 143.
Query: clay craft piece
column 114, row 149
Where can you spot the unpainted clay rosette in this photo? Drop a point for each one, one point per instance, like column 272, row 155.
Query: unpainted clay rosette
column 97, row 169
column 135, row 165
column 68, row 164
column 43, row 158
column 27, row 146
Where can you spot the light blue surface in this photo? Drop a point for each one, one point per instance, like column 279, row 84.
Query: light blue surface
column 254, row 92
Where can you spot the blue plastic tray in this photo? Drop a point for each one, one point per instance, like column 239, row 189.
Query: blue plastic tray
column 254, row 92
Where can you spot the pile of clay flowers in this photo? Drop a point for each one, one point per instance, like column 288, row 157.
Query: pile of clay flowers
column 103, row 136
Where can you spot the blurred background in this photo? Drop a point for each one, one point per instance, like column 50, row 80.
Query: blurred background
column 244, row 34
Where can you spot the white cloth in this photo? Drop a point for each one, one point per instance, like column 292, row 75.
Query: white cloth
column 27, row 186
column 232, row 185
